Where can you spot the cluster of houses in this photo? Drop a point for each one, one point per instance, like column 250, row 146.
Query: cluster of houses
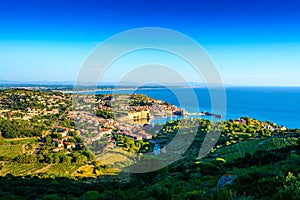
column 139, row 114
column 63, row 142
column 49, row 105
column 271, row 127
column 162, row 109
column 100, row 134
column 151, row 107
column 85, row 117
column 29, row 114
column 99, row 127
column 134, row 132
column 239, row 121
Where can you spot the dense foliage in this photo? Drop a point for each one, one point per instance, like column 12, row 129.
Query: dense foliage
column 272, row 176
column 104, row 114
column 21, row 128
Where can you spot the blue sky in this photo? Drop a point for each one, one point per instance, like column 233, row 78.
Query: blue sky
column 251, row 42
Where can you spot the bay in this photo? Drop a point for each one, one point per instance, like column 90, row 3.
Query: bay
column 277, row 104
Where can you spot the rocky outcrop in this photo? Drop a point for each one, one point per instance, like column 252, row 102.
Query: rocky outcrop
column 226, row 180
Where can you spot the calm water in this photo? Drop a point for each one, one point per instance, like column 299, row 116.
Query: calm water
column 277, row 104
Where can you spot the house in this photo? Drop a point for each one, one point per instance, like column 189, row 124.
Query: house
column 269, row 127
column 138, row 137
column 106, row 131
column 282, row 128
column 143, row 114
column 62, row 131
column 147, row 136
column 240, row 121
column 66, row 138
column 70, row 145
column 58, row 143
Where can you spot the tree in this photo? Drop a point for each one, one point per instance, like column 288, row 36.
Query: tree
column 104, row 114
column 66, row 159
column 90, row 195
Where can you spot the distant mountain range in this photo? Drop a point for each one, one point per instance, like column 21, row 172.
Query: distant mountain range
column 9, row 83
column 21, row 83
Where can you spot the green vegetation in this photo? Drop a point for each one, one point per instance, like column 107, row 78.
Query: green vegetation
column 21, row 128
column 131, row 145
column 140, row 100
column 262, row 175
column 16, row 141
column 104, row 114
column 21, row 169
column 262, row 157
column 22, row 99
column 10, row 150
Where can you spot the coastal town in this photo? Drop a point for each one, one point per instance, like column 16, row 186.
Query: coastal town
column 93, row 121
column 97, row 119
column 118, row 115
column 49, row 134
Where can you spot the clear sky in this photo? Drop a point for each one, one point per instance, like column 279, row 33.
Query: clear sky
column 252, row 42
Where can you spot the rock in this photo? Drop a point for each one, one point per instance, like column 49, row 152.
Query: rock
column 226, row 180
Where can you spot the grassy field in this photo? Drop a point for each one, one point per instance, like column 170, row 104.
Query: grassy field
column 240, row 149
column 85, row 171
column 117, row 158
column 11, row 150
column 88, row 171
column 62, row 169
column 16, row 141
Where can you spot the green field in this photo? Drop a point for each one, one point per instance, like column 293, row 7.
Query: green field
column 11, row 150
column 18, row 141
column 240, row 149
column 62, row 169
column 20, row 169
column 117, row 158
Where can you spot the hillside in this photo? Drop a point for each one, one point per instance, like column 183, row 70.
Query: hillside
column 44, row 155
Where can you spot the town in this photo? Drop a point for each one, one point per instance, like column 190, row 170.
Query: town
column 94, row 121
column 91, row 119
column 49, row 134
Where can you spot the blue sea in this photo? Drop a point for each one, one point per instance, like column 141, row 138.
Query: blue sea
column 276, row 104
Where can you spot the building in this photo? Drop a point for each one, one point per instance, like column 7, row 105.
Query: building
column 58, row 143
column 143, row 114
column 69, row 145
column 62, row 131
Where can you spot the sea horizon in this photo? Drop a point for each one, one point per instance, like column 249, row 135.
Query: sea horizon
column 276, row 104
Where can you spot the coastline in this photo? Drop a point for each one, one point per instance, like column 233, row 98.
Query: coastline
column 277, row 104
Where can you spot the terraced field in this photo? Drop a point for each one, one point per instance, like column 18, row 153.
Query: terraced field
column 20, row 169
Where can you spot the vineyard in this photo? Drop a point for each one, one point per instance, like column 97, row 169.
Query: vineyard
column 62, row 169
column 11, row 150
column 20, row 169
